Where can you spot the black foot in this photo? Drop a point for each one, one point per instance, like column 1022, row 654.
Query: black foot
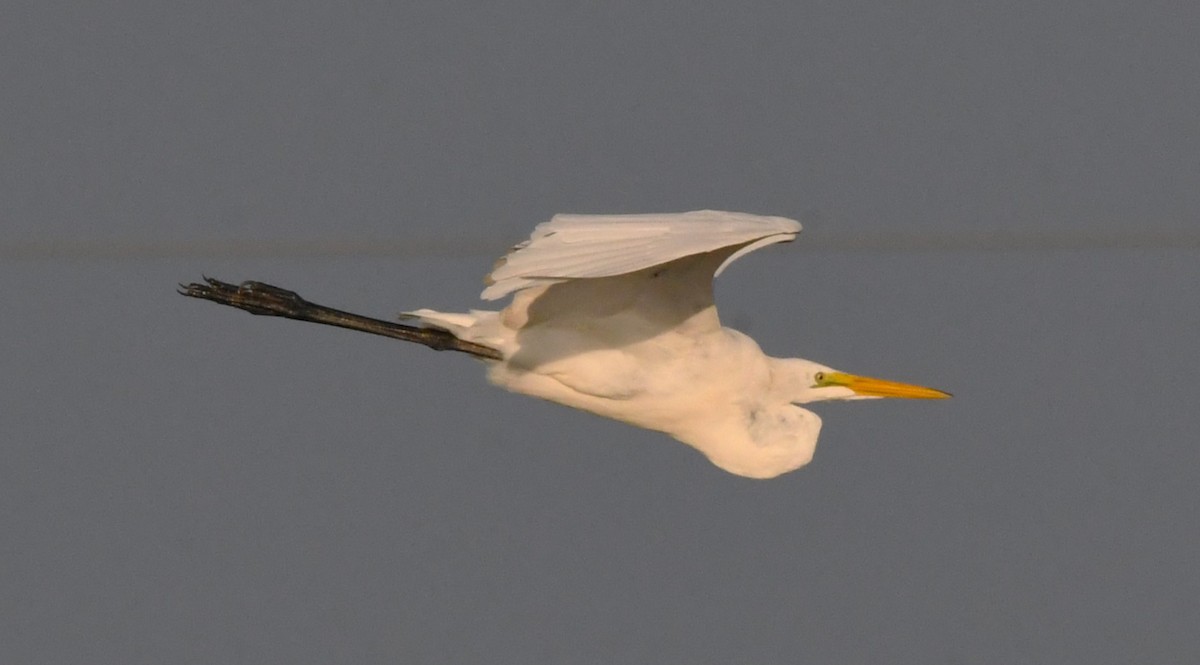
column 259, row 298
column 253, row 297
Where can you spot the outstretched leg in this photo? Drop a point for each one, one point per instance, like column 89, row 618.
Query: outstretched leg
column 267, row 300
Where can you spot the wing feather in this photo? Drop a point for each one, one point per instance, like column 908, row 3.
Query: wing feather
column 589, row 246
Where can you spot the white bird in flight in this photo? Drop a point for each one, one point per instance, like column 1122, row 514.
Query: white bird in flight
column 614, row 314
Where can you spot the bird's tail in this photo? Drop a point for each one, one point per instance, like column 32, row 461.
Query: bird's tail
column 476, row 326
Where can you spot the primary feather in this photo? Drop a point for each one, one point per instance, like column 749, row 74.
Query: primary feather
column 591, row 246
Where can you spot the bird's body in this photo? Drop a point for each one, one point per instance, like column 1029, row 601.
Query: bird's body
column 615, row 315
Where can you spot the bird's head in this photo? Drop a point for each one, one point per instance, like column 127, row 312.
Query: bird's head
column 806, row 381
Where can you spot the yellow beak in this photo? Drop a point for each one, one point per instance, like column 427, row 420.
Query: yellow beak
column 870, row 387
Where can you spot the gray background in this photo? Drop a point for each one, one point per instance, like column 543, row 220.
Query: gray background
column 1001, row 199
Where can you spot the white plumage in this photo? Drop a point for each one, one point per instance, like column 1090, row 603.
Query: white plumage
column 587, row 246
column 614, row 314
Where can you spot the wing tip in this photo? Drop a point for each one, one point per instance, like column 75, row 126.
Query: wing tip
column 499, row 282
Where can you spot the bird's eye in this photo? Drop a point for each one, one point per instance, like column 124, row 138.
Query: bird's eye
column 819, row 377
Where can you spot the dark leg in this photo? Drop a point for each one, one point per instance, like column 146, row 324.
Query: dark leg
column 267, row 300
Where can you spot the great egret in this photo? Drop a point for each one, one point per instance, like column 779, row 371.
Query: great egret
column 614, row 314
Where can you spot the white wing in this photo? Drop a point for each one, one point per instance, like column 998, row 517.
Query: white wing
column 589, row 246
